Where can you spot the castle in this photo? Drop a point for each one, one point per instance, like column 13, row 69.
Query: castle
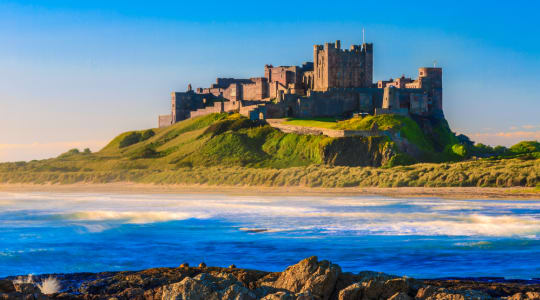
column 338, row 83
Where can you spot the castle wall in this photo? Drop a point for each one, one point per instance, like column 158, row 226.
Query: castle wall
column 256, row 90
column 335, row 102
column 218, row 107
column 165, row 120
column 182, row 103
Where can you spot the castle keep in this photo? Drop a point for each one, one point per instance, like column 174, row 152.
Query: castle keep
column 338, row 83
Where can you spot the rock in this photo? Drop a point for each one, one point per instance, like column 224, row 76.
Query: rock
column 238, row 292
column 233, row 266
column 395, row 286
column 27, row 288
column 352, row 292
column 188, row 289
column 373, row 289
column 516, row 296
column 526, row 296
column 433, row 293
column 217, row 281
column 132, row 293
column 184, row 265
column 279, row 296
column 400, row 296
column 289, row 296
column 376, row 288
column 370, row 275
column 532, row 295
column 202, row 265
column 6, row 286
column 309, row 275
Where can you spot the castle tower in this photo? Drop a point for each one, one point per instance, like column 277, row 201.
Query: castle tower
column 338, row 68
column 430, row 80
column 390, row 98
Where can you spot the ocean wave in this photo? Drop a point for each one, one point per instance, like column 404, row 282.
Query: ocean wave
column 474, row 244
column 132, row 217
column 468, row 225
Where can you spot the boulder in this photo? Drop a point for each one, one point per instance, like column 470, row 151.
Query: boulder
column 309, row 275
column 289, row 296
column 433, row 293
column 400, row 296
column 279, row 296
column 352, row 292
column 27, row 288
column 525, row 296
column 377, row 287
column 532, row 295
column 238, row 292
column 395, row 286
column 188, row 289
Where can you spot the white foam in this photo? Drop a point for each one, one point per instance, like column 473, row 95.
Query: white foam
column 133, row 217
column 360, row 215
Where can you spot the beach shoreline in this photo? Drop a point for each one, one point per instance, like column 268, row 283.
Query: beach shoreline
column 517, row 193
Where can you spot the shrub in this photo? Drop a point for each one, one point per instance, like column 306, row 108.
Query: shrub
column 147, row 151
column 525, row 147
column 130, row 139
column 147, row 134
column 73, row 151
column 400, row 159
column 459, row 150
column 69, row 153
column 87, row 151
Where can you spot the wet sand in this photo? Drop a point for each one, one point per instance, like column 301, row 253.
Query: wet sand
column 138, row 188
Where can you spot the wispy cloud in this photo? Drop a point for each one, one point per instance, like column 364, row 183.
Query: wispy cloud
column 17, row 152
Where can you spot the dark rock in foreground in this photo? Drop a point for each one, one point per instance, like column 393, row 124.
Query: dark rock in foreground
column 309, row 279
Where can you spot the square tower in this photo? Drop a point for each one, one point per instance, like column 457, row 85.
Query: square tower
column 338, row 68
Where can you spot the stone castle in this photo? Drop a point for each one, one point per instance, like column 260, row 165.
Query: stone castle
column 338, row 83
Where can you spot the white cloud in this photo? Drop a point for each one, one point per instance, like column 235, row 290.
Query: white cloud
column 18, row 152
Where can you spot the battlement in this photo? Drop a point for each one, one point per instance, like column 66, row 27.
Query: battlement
column 429, row 72
column 365, row 47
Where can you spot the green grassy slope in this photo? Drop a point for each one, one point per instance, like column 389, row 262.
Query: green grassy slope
column 230, row 149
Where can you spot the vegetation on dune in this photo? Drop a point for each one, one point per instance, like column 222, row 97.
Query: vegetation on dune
column 232, row 150
column 481, row 173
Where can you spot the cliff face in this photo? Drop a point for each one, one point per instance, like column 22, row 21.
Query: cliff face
column 309, row 279
column 358, row 151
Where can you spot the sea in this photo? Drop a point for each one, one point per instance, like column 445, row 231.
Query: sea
column 47, row 232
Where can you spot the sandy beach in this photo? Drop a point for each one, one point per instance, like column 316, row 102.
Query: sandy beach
column 137, row 188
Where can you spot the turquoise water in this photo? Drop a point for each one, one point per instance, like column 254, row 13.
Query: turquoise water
column 418, row 237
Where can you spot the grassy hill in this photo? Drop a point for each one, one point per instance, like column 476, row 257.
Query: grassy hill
column 230, row 149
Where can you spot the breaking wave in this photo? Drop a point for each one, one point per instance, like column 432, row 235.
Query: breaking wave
column 271, row 214
column 131, row 217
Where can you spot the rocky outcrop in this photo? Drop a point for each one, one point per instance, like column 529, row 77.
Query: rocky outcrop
column 358, row 151
column 309, row 279
column 317, row 278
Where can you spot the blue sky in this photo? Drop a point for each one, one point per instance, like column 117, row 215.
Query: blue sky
column 77, row 73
